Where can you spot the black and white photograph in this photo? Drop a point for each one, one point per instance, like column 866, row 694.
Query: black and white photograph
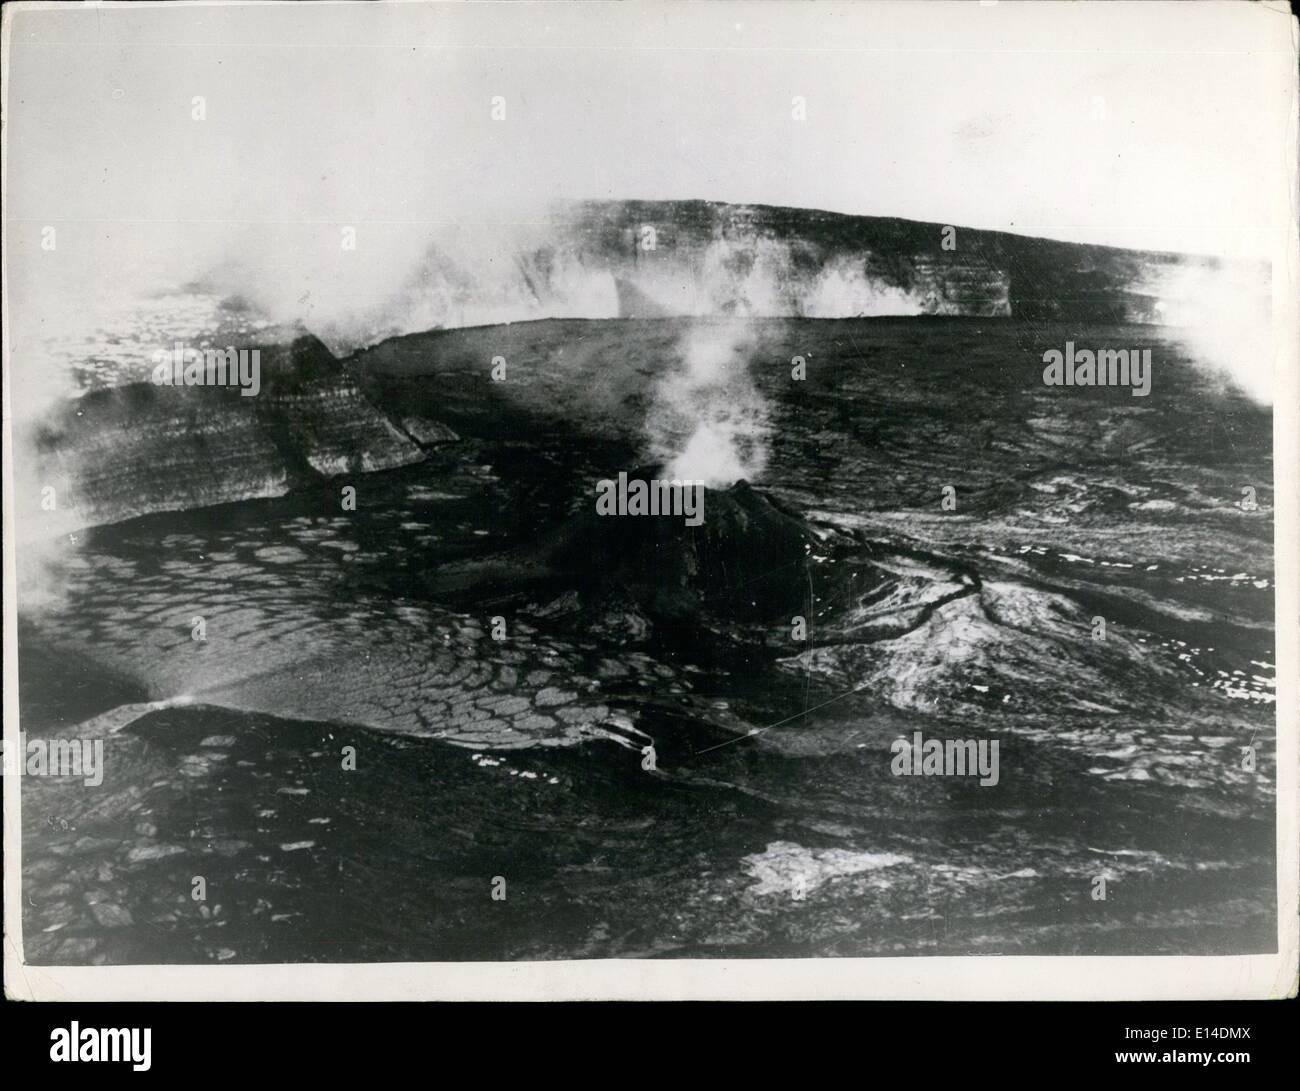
column 574, row 500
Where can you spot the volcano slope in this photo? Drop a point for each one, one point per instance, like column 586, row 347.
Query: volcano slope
column 479, row 638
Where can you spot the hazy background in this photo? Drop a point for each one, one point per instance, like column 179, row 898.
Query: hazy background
column 1097, row 123
column 1143, row 125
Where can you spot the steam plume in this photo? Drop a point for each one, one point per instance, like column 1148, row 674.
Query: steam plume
column 708, row 421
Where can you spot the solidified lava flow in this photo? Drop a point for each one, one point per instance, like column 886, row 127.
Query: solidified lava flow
column 466, row 674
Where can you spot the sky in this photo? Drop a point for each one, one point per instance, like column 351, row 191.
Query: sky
column 1145, row 124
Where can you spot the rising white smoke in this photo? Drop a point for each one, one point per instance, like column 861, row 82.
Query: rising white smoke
column 1222, row 318
column 707, row 419
column 844, row 290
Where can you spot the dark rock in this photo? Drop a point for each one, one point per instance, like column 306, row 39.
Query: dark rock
column 121, row 452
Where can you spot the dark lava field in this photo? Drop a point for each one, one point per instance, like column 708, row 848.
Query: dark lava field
column 467, row 719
